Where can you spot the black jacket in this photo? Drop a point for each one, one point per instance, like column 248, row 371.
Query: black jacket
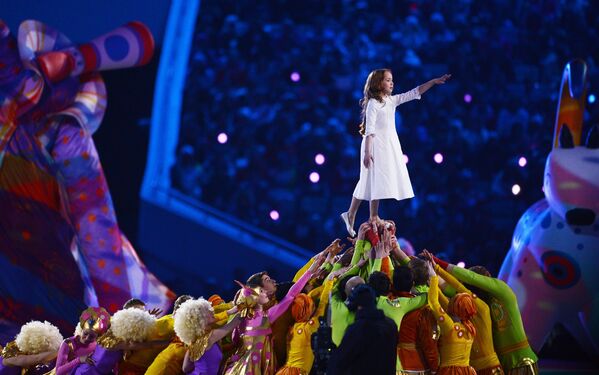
column 368, row 346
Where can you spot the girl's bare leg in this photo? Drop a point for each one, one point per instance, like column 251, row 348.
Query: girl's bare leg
column 349, row 217
column 374, row 209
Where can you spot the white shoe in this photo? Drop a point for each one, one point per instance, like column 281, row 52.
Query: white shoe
column 349, row 228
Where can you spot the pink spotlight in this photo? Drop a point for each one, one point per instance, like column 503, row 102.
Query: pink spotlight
column 222, row 138
column 295, row 77
column 461, row 264
column 314, row 177
column 405, row 158
column 438, row 158
column 467, row 98
column 319, row 159
column 522, row 161
column 516, row 189
column 274, row 214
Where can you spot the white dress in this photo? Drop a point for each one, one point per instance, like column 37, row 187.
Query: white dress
column 387, row 177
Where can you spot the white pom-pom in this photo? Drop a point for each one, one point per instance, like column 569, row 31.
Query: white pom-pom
column 132, row 324
column 78, row 330
column 193, row 319
column 37, row 337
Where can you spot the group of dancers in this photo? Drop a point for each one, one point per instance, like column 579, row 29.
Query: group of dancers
column 389, row 312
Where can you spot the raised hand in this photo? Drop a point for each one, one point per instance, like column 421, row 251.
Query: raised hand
column 441, row 80
column 345, row 259
column 392, row 228
column 374, row 222
column 363, row 229
column 155, row 311
column 351, row 240
column 427, row 255
column 335, row 247
column 368, row 160
column 337, row 273
column 383, row 247
column 387, row 245
column 320, row 274
column 431, row 268
column 317, row 263
column 394, row 245
column 87, row 359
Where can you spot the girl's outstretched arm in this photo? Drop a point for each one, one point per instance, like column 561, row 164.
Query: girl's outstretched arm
column 435, row 81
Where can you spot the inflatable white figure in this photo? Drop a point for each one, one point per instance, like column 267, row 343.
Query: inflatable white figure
column 553, row 263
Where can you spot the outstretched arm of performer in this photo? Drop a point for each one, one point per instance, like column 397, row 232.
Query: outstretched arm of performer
column 29, row 360
column 277, row 310
column 398, row 253
column 435, row 81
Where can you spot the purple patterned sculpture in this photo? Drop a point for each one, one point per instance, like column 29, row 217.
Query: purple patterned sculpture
column 60, row 245
column 553, row 264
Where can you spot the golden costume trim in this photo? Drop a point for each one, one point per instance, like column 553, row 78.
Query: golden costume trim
column 199, row 347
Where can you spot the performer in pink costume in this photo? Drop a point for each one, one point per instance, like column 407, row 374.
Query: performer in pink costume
column 255, row 354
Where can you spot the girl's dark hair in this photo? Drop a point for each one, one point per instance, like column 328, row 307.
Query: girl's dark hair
column 372, row 90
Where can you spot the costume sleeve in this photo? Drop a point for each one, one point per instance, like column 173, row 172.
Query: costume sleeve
column 397, row 308
column 426, row 338
column 337, row 266
column 324, row 298
column 360, row 248
column 277, row 310
column 371, row 113
column 451, row 280
column 221, row 318
column 63, row 365
column 374, row 265
column 323, row 302
column 450, row 289
column 327, row 267
column 413, row 303
column 443, row 319
column 405, row 262
column 491, row 285
column 302, row 270
column 399, row 99
column 443, row 300
column 315, row 293
column 388, row 267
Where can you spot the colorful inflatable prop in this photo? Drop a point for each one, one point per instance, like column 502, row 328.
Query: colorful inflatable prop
column 60, row 246
column 553, row 264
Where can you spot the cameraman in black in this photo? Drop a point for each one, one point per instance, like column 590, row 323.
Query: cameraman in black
column 369, row 344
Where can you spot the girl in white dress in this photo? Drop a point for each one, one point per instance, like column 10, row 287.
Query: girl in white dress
column 383, row 172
